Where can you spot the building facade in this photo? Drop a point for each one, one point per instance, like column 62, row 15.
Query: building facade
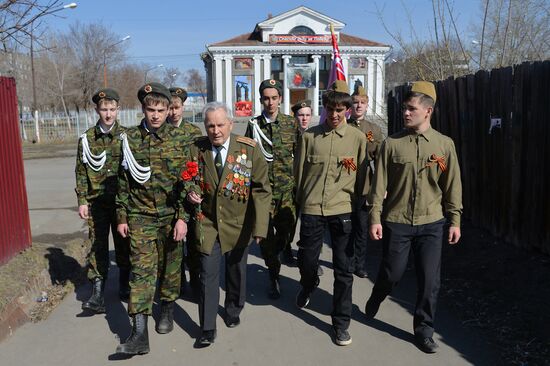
column 294, row 48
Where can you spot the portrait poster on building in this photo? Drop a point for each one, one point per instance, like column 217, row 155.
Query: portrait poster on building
column 356, row 81
column 358, row 63
column 300, row 76
column 243, row 95
column 243, row 64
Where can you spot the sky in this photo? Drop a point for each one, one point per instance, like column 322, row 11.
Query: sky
column 175, row 32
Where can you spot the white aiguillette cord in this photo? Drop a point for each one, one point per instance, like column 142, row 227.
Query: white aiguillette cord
column 258, row 136
column 95, row 162
column 139, row 173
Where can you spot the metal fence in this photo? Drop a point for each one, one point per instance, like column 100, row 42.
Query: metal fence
column 50, row 128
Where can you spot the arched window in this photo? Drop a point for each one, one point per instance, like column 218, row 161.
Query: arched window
column 302, row 30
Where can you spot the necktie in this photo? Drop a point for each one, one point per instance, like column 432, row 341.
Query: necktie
column 218, row 161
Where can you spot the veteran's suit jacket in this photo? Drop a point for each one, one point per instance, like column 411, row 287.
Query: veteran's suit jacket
column 229, row 217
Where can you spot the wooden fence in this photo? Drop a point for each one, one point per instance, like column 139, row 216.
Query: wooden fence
column 505, row 169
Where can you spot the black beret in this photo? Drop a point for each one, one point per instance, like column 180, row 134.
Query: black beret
column 105, row 93
column 301, row 104
column 179, row 92
column 270, row 83
column 155, row 88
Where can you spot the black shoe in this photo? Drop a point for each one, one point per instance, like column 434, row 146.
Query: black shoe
column 207, row 337
column 96, row 302
column 138, row 341
column 302, row 299
column 124, row 284
column 361, row 273
column 320, row 271
column 425, row 344
column 232, row 321
column 166, row 321
column 274, row 289
column 371, row 308
column 342, row 337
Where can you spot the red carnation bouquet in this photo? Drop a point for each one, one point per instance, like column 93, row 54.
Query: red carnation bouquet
column 194, row 182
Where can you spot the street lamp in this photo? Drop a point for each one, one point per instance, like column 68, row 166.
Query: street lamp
column 105, row 58
column 149, row 69
column 33, row 78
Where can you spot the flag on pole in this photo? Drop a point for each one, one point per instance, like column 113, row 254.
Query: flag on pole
column 336, row 68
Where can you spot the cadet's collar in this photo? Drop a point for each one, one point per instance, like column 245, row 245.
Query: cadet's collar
column 158, row 133
column 340, row 130
column 99, row 131
column 176, row 124
column 427, row 135
column 268, row 120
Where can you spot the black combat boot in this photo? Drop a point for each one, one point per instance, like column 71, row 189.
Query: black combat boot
column 96, row 302
column 123, row 284
column 166, row 321
column 275, row 286
column 138, row 341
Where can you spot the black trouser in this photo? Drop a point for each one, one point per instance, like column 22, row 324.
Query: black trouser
column 360, row 236
column 235, row 284
column 312, row 229
column 426, row 242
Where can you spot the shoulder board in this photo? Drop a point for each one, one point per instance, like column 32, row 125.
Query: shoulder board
column 246, row 140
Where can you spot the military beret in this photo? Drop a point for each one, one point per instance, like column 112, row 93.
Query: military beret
column 424, row 87
column 301, row 104
column 360, row 91
column 154, row 88
column 339, row 86
column 105, row 93
column 179, row 92
column 270, row 83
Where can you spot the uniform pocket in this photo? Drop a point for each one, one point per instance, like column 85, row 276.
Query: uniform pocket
column 315, row 164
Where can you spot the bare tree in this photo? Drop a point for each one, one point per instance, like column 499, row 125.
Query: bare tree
column 196, row 82
column 127, row 79
column 171, row 75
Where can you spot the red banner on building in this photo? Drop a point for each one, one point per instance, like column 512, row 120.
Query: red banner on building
column 303, row 39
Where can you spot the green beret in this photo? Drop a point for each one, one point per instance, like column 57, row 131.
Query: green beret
column 105, row 93
column 179, row 92
column 424, row 87
column 154, row 88
column 360, row 91
column 301, row 104
column 339, row 86
column 270, row 83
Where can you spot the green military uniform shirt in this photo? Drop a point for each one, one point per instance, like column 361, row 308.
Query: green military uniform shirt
column 190, row 130
column 282, row 133
column 164, row 152
column 324, row 185
column 235, row 206
column 91, row 184
column 421, row 175
column 374, row 135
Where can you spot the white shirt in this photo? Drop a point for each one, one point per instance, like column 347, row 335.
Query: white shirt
column 104, row 131
column 222, row 149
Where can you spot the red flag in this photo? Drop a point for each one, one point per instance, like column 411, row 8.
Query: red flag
column 336, row 69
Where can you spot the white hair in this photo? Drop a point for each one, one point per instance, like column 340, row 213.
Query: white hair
column 213, row 106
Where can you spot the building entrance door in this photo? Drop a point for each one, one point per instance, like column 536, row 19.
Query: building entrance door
column 297, row 95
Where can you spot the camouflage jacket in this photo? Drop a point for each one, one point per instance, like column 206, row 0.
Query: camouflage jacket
column 282, row 133
column 164, row 152
column 374, row 135
column 91, row 184
column 190, row 131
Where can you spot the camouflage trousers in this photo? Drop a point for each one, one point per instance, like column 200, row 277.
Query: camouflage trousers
column 154, row 256
column 280, row 232
column 102, row 219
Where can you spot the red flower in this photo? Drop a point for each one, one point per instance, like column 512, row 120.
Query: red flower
column 192, row 165
column 186, row 176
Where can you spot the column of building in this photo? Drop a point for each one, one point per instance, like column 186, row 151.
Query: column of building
column 315, row 99
column 286, row 92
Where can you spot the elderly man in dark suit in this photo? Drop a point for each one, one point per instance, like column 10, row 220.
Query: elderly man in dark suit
column 226, row 179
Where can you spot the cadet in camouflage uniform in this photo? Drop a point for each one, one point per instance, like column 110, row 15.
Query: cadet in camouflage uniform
column 150, row 213
column 275, row 134
column 374, row 136
column 175, row 117
column 97, row 164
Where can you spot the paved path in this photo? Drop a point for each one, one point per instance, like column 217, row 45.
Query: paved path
column 271, row 332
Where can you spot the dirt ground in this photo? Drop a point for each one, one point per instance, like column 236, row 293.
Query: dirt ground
column 504, row 292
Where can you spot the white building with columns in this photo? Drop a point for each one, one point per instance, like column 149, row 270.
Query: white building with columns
column 295, row 48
